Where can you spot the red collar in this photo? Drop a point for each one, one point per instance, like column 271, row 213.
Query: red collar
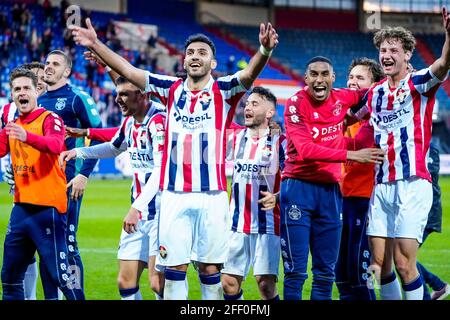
column 29, row 117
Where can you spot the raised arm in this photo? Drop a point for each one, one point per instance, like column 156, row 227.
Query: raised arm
column 90, row 56
column 442, row 64
column 87, row 37
column 268, row 39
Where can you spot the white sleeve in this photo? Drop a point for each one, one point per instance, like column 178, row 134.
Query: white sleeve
column 149, row 191
column 424, row 80
column 151, row 188
column 99, row 151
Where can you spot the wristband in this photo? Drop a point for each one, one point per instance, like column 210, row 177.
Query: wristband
column 264, row 51
column 108, row 69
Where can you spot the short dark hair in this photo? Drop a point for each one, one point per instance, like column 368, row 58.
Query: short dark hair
column 33, row 65
column 319, row 59
column 200, row 37
column 266, row 93
column 373, row 66
column 398, row 33
column 122, row 80
column 22, row 72
column 66, row 57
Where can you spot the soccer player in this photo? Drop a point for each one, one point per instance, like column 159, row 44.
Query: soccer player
column 310, row 197
column 255, row 237
column 9, row 113
column 356, row 187
column 38, row 219
column 400, row 109
column 77, row 109
column 142, row 135
column 194, row 204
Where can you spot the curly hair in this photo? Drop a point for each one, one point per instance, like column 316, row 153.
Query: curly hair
column 397, row 33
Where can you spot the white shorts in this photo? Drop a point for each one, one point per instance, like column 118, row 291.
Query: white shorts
column 135, row 246
column 153, row 248
column 262, row 251
column 193, row 226
column 400, row 209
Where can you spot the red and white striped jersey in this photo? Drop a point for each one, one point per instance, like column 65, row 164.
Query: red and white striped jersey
column 402, row 121
column 144, row 143
column 9, row 112
column 257, row 167
column 194, row 149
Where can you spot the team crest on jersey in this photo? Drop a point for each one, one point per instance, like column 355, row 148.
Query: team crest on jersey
column 338, row 108
column 142, row 140
column 401, row 96
column 266, row 152
column 205, row 100
column 162, row 252
column 294, row 212
column 60, row 103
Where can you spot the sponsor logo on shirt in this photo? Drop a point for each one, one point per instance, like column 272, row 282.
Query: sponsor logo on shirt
column 192, row 122
column 136, row 156
column 393, row 119
column 327, row 133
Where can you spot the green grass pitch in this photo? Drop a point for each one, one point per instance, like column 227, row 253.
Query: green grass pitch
column 106, row 203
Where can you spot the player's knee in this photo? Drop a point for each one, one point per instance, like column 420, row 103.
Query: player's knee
column 377, row 260
column 267, row 286
column 208, row 269
column 230, row 285
column 126, row 280
column 405, row 267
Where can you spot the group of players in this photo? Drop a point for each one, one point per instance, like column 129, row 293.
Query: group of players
column 285, row 198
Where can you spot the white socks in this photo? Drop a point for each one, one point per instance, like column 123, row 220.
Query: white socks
column 390, row 288
column 175, row 285
column 30, row 281
column 211, row 286
column 414, row 289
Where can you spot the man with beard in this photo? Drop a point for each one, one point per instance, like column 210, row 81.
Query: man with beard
column 194, row 204
column 77, row 109
column 400, row 109
column 258, row 155
column 311, row 214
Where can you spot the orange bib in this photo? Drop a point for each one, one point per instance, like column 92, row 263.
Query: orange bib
column 39, row 178
column 357, row 178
